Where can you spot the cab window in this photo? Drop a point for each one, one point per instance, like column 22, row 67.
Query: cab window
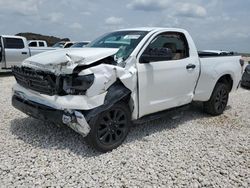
column 13, row 43
column 32, row 44
column 41, row 44
column 168, row 46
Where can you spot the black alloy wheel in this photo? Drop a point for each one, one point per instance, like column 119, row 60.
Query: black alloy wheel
column 221, row 100
column 218, row 101
column 110, row 128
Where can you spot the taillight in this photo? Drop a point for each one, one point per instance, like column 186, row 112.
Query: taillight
column 242, row 62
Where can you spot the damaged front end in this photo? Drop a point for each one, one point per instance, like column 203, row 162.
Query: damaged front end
column 73, row 91
column 74, row 119
column 48, row 83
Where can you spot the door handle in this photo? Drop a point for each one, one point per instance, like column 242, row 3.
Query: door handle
column 190, row 66
column 24, row 53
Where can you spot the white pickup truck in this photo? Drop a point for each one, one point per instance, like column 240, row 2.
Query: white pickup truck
column 37, row 43
column 121, row 77
column 15, row 49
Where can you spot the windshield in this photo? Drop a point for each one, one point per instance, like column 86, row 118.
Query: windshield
column 126, row 41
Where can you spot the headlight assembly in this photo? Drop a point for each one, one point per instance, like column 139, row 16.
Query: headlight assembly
column 78, row 85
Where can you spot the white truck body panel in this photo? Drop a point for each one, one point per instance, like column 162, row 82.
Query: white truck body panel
column 153, row 86
column 16, row 55
column 212, row 69
column 38, row 50
column 163, row 86
column 86, row 55
column 171, row 84
column 13, row 55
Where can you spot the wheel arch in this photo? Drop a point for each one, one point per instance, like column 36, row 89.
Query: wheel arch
column 115, row 93
column 219, row 98
column 226, row 79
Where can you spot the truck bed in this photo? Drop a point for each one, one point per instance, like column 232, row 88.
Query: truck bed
column 212, row 68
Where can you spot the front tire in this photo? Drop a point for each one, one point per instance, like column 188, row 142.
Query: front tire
column 218, row 101
column 110, row 128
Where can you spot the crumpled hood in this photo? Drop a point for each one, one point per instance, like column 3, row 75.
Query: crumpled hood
column 70, row 57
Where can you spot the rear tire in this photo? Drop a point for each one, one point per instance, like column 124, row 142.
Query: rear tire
column 110, row 128
column 218, row 101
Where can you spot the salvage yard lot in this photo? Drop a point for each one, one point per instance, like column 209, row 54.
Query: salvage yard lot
column 185, row 149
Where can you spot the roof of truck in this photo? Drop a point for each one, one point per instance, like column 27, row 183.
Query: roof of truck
column 11, row 36
column 151, row 29
column 36, row 41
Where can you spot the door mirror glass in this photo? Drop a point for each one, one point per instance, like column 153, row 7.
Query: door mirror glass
column 156, row 54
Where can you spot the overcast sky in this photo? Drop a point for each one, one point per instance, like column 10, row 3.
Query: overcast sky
column 214, row 24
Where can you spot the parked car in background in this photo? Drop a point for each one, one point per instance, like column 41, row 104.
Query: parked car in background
column 245, row 82
column 15, row 49
column 63, row 44
column 37, row 43
column 123, row 76
column 80, row 44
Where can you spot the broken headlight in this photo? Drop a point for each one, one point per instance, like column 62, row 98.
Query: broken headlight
column 78, row 85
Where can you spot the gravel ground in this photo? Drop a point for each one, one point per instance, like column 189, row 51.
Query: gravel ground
column 185, row 149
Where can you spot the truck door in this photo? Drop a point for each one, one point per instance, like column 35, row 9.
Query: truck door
column 167, row 74
column 15, row 51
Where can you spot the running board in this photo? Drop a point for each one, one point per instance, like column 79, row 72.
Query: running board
column 170, row 112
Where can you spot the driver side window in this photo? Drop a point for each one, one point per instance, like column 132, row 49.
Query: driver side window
column 167, row 46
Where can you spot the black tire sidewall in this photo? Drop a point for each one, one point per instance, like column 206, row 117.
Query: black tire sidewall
column 92, row 137
column 210, row 105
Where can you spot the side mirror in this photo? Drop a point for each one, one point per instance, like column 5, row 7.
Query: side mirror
column 145, row 58
column 156, row 54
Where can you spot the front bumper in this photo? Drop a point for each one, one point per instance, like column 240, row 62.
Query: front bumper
column 38, row 111
column 80, row 102
column 74, row 119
